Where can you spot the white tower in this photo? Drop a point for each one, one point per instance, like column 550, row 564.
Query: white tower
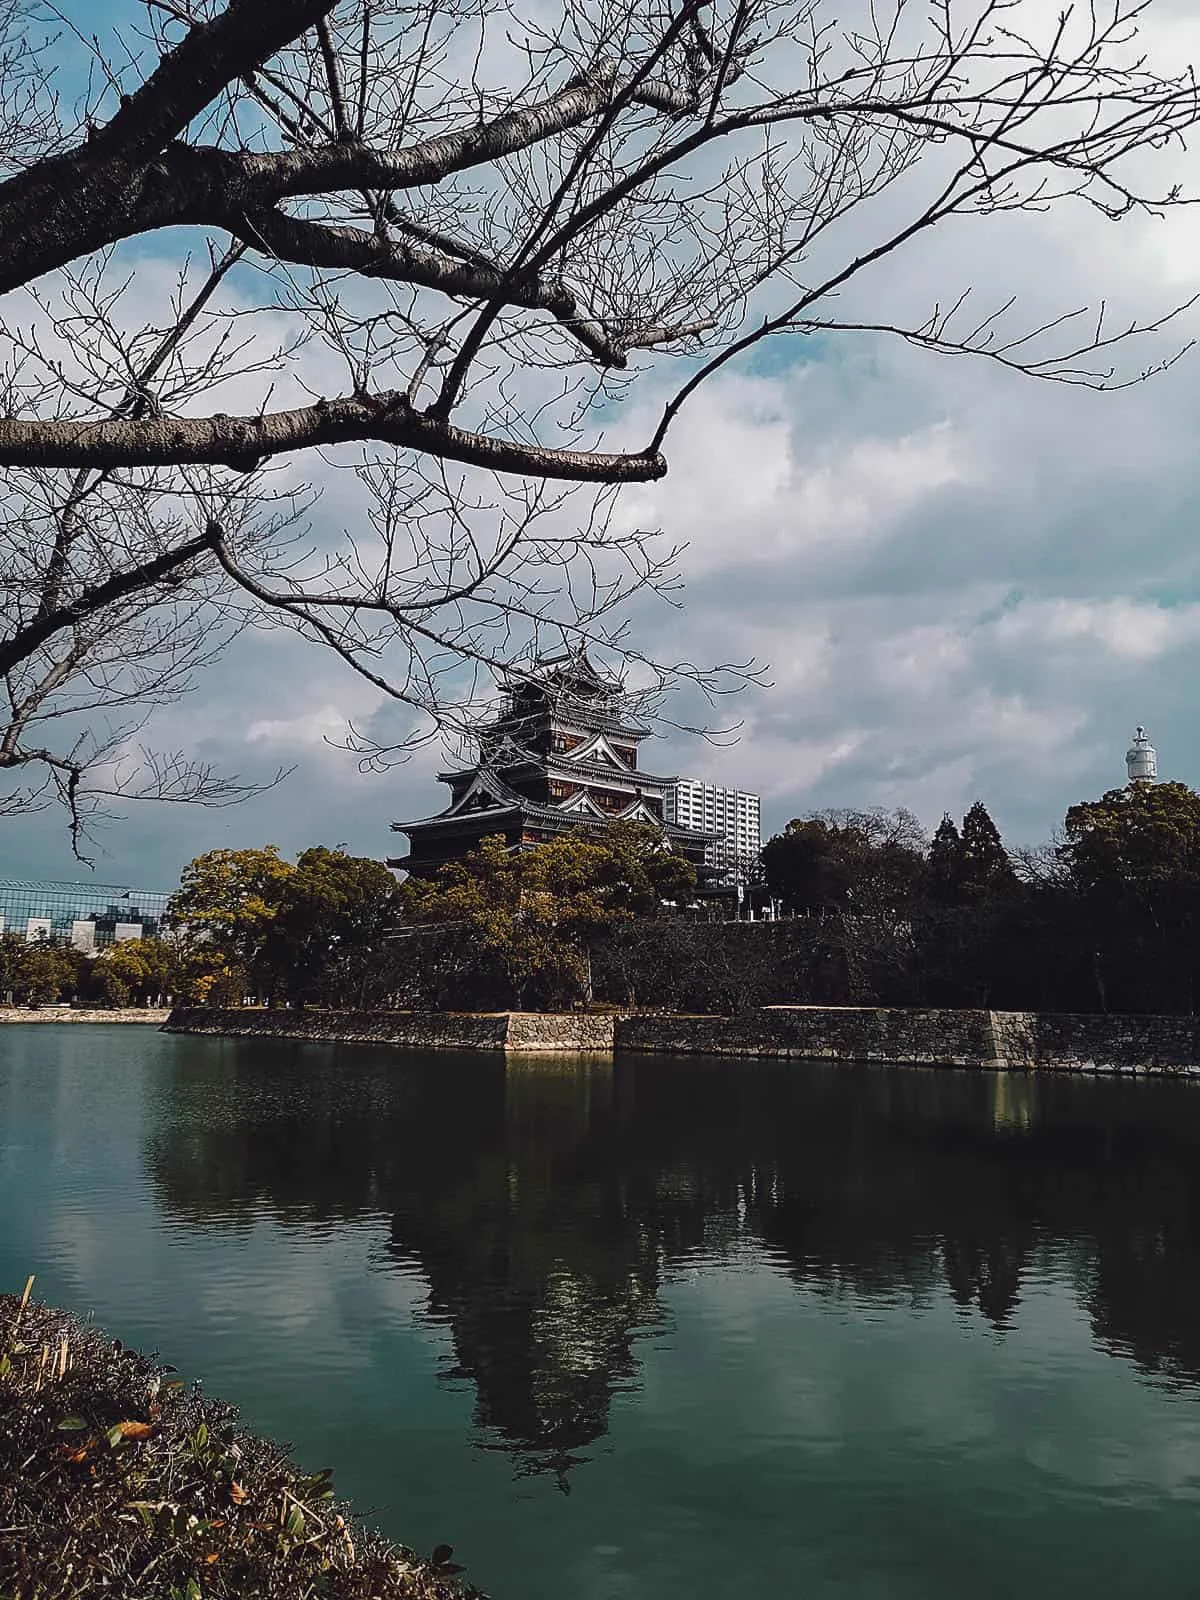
column 1141, row 759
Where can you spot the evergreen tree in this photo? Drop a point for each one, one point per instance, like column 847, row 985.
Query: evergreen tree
column 944, row 868
column 986, row 869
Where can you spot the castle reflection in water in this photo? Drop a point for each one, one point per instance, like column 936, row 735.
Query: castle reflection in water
column 545, row 1205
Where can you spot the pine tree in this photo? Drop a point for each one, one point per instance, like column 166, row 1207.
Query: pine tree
column 944, row 866
column 986, row 870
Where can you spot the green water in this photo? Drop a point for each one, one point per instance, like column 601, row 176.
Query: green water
column 678, row 1328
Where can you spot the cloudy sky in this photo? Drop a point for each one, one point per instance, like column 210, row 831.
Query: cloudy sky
column 966, row 584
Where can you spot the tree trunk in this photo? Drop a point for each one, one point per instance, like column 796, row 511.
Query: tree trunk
column 1098, row 975
column 588, row 987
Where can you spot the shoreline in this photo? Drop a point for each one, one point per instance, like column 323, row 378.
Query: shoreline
column 111, row 1469
column 1023, row 1041
column 155, row 1016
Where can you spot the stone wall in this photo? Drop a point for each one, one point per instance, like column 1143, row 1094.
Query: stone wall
column 932, row 1038
column 1083, row 1042
column 530, row 1030
column 980, row 1039
column 80, row 1014
column 436, row 1030
column 1054, row 1042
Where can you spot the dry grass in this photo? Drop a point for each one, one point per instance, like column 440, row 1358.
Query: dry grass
column 117, row 1478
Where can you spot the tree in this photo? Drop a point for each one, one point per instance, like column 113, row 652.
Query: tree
column 12, row 949
column 865, row 862
column 224, row 909
column 588, row 884
column 986, row 872
column 333, row 911
column 249, row 920
column 943, row 869
column 231, row 897
column 539, row 913
column 1134, row 860
column 133, row 971
column 489, row 227
column 41, row 973
column 1142, row 839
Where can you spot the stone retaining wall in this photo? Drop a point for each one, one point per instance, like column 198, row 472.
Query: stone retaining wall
column 1024, row 1040
column 933, row 1038
column 431, row 1030
column 1083, row 1042
column 78, row 1014
column 530, row 1030
column 980, row 1039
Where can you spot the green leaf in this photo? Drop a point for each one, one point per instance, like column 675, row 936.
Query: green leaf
column 71, row 1425
column 295, row 1522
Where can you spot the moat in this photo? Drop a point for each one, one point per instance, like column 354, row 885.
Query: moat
column 660, row 1328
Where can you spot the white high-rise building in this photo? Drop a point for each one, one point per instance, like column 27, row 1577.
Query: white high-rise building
column 731, row 813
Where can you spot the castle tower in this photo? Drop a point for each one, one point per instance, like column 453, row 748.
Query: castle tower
column 1141, row 759
column 562, row 755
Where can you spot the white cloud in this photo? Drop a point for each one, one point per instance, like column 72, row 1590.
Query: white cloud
column 308, row 732
column 747, row 484
column 1130, row 629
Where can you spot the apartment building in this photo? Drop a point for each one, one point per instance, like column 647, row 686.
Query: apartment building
column 733, row 814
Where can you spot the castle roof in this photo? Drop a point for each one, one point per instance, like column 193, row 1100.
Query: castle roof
column 594, row 757
column 489, row 793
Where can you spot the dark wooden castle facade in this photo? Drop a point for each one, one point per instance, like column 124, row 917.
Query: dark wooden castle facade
column 562, row 755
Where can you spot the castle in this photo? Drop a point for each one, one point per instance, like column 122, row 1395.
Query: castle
column 562, row 755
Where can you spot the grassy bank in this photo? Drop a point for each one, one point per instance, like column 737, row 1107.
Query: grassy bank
column 116, row 1477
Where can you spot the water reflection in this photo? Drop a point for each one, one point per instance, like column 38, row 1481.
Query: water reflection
column 545, row 1206
column 520, row 1226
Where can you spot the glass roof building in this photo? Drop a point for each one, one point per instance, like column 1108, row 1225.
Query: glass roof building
column 87, row 915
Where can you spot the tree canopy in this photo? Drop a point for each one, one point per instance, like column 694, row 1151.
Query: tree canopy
column 251, row 919
column 230, row 899
column 439, row 245
column 134, row 971
column 868, row 862
column 333, row 908
column 971, row 865
column 1143, row 837
column 985, row 867
column 539, row 912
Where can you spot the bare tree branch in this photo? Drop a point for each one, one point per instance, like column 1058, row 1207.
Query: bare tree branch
column 245, row 442
column 435, row 246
